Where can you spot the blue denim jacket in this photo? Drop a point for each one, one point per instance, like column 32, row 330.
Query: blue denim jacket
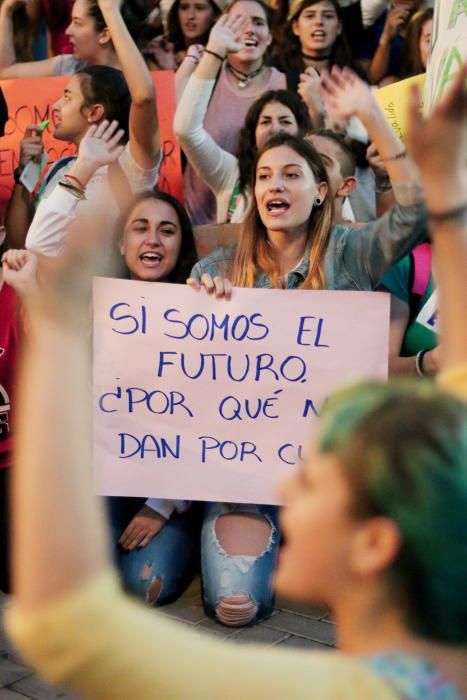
column 356, row 258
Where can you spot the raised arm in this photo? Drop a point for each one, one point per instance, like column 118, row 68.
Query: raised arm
column 9, row 68
column 213, row 164
column 48, row 230
column 438, row 145
column 144, row 125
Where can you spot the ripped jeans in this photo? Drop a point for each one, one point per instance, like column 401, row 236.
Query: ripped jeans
column 237, row 586
column 239, row 546
column 159, row 572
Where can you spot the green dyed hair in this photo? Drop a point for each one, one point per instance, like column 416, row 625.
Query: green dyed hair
column 403, row 448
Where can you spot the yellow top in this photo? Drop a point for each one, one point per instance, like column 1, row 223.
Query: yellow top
column 108, row 647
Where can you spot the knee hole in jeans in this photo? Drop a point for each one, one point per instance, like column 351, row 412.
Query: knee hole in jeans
column 245, row 534
column 236, row 610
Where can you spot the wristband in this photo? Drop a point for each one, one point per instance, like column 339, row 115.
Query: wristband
column 216, row 55
column 419, row 363
column 398, row 156
column 455, row 217
column 193, row 58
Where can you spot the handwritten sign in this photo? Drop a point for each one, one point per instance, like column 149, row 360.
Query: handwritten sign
column 448, row 48
column 30, row 102
column 204, row 399
column 394, row 101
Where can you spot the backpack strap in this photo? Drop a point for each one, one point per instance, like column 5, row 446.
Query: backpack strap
column 58, row 165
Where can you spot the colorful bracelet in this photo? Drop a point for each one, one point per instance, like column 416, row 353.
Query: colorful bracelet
column 79, row 194
column 72, row 177
column 217, row 55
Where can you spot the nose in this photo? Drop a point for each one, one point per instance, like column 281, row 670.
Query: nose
column 152, row 237
column 69, row 30
column 276, row 185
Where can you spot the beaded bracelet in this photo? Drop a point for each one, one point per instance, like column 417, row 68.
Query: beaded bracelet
column 73, row 177
column 79, row 194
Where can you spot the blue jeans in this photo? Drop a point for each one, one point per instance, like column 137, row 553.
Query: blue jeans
column 237, row 588
column 162, row 570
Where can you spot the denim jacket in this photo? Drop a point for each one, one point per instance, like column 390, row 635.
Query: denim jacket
column 356, row 258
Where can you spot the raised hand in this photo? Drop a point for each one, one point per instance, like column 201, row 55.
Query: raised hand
column 20, row 271
column 308, row 89
column 9, row 6
column 162, row 52
column 100, row 145
column 226, row 34
column 396, row 20
column 344, row 94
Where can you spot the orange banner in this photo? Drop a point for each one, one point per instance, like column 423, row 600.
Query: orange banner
column 30, row 102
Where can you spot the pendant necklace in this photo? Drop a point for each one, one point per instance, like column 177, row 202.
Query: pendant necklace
column 243, row 78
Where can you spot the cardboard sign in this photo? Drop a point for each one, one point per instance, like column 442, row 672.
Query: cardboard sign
column 30, row 101
column 205, row 399
column 448, row 48
column 394, row 101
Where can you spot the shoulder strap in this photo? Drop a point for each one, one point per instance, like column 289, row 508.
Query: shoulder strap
column 58, row 165
column 422, row 269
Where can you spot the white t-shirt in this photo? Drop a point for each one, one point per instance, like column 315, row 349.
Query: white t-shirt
column 99, row 209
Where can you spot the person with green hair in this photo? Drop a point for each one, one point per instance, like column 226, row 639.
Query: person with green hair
column 374, row 519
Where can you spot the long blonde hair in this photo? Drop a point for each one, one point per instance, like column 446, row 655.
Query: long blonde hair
column 255, row 255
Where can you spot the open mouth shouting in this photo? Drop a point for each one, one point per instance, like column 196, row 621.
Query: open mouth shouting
column 277, row 206
column 150, row 259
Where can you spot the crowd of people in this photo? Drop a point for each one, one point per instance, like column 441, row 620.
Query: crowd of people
column 282, row 135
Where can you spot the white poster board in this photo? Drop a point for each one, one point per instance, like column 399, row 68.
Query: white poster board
column 205, row 399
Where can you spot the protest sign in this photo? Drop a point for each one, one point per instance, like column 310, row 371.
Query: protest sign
column 207, row 399
column 30, row 101
column 448, row 48
column 394, row 101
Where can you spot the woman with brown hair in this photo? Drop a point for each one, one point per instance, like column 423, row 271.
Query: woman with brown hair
column 415, row 50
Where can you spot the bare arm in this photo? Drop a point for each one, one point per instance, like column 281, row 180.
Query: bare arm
column 438, row 146
column 346, row 95
column 8, row 66
column 144, row 124
column 18, row 217
column 405, row 365
column 379, row 66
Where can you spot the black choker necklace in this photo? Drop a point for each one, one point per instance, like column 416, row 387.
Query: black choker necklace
column 243, row 78
column 325, row 57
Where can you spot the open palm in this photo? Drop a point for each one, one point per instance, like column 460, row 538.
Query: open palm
column 101, row 143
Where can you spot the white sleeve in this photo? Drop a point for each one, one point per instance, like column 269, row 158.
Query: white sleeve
column 211, row 162
column 138, row 178
column 166, row 507
column 371, row 10
column 48, row 229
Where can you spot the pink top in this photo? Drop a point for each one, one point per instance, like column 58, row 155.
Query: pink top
column 224, row 119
